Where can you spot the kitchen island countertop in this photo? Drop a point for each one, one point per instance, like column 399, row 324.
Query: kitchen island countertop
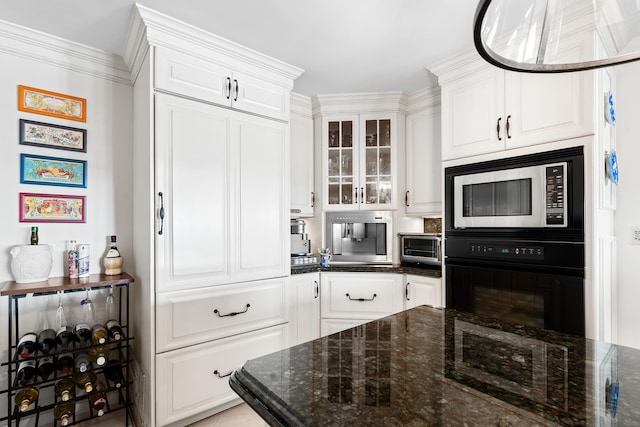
column 440, row 367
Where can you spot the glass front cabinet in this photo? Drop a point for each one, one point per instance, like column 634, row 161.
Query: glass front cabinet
column 359, row 162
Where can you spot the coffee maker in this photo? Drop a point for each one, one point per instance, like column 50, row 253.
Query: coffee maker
column 300, row 245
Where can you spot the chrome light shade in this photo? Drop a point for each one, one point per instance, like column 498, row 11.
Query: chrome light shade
column 536, row 35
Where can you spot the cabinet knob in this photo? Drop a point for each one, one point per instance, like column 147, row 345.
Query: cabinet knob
column 498, row 129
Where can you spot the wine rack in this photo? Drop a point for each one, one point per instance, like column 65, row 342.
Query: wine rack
column 42, row 411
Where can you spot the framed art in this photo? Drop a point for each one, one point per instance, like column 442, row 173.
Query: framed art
column 52, row 171
column 46, row 135
column 52, row 208
column 40, row 101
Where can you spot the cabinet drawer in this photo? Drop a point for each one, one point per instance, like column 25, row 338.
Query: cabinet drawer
column 188, row 381
column 196, row 316
column 360, row 295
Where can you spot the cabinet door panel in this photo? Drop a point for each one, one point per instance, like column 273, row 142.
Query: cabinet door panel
column 187, row 383
column 423, row 290
column 304, row 321
column 263, row 197
column 360, row 295
column 260, row 97
column 302, row 167
column 192, row 149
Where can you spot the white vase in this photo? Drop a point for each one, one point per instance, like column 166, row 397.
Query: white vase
column 31, row 263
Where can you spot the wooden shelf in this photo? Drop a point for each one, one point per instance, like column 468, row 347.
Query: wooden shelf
column 55, row 284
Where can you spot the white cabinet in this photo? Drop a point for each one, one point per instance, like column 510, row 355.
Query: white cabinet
column 215, row 233
column 423, row 165
column 486, row 109
column 217, row 82
column 359, row 150
column 348, row 299
column 304, row 317
column 302, row 167
column 420, row 290
column 195, row 379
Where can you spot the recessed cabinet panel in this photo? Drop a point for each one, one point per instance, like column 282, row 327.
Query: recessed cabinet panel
column 195, row 379
column 192, row 156
column 195, row 316
column 260, row 97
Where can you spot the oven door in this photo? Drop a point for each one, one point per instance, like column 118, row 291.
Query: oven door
column 547, row 298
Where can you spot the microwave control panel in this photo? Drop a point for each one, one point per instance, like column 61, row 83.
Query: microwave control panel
column 555, row 194
column 506, row 251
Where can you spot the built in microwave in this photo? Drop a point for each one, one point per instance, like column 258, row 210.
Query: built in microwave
column 538, row 191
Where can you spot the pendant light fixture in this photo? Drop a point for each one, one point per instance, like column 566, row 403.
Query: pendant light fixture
column 540, row 35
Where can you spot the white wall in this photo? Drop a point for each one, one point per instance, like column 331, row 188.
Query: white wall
column 42, row 61
column 628, row 202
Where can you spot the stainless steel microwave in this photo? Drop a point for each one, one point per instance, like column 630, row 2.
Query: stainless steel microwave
column 421, row 249
column 531, row 197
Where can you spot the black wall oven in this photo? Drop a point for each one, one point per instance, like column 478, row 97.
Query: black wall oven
column 514, row 239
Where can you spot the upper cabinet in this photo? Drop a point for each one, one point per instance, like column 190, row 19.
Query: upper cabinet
column 423, row 166
column 302, row 168
column 359, row 137
column 486, row 109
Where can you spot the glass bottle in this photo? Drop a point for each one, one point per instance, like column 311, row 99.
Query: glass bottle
column 34, row 235
column 26, row 397
column 99, row 334
column 64, row 332
column 72, row 259
column 98, row 399
column 115, row 330
column 46, row 366
column 85, row 380
column 112, row 260
column 113, row 373
column 27, row 345
column 64, row 362
column 64, row 388
column 64, row 412
column 99, row 354
column 26, row 371
column 82, row 362
column 113, row 326
column 46, row 335
column 83, row 329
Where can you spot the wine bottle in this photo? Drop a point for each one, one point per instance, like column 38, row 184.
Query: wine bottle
column 98, row 399
column 64, row 332
column 83, row 328
column 99, row 354
column 82, row 362
column 114, row 329
column 26, row 396
column 47, row 341
column 26, row 371
column 85, row 380
column 112, row 260
column 64, row 362
column 46, row 366
column 64, row 389
column 99, row 334
column 113, row 373
column 82, row 332
column 64, row 412
column 72, row 260
column 27, row 345
column 34, row 235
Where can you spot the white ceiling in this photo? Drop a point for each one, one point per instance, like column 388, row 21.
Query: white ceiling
column 343, row 45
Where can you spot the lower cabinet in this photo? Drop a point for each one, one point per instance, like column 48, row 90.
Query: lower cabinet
column 304, row 308
column 194, row 379
column 421, row 290
column 349, row 299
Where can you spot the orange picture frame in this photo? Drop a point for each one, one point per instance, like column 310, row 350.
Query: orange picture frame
column 40, row 101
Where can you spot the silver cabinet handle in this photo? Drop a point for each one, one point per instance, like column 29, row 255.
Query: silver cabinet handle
column 161, row 213
column 233, row 313
column 362, row 299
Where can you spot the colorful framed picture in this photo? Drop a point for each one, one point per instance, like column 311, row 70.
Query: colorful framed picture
column 40, row 101
column 52, row 171
column 52, row 208
column 46, row 135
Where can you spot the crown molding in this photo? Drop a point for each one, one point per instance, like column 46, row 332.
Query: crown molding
column 424, row 99
column 360, row 103
column 37, row 46
column 301, row 105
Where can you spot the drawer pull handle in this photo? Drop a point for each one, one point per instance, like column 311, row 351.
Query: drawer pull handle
column 216, row 372
column 362, row 299
column 233, row 313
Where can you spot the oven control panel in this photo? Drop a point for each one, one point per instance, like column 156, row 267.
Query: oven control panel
column 511, row 251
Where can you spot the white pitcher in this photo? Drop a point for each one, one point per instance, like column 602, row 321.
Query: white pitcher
column 31, row 263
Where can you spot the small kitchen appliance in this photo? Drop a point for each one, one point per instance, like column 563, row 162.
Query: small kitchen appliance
column 421, row 249
column 301, row 245
column 359, row 237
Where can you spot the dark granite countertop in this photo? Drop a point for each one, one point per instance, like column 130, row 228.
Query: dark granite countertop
column 439, row 367
column 368, row 268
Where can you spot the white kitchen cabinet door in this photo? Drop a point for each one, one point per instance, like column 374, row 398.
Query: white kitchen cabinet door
column 424, row 163
column 304, row 318
column 421, row 290
column 195, row 379
column 192, row 173
column 331, row 326
column 257, row 96
column 260, row 197
column 302, row 167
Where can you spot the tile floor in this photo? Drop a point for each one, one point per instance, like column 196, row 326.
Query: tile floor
column 241, row 415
